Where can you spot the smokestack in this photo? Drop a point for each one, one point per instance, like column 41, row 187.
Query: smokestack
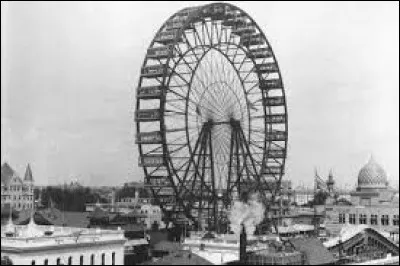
column 113, row 201
column 243, row 245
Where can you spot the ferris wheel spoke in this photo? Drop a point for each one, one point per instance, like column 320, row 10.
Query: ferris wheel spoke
column 208, row 33
column 184, row 60
column 219, row 128
column 154, row 150
column 202, row 44
column 189, row 111
column 212, row 31
column 222, row 30
column 176, row 74
column 190, row 47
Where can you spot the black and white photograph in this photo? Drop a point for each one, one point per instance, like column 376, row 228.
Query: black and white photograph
column 199, row 133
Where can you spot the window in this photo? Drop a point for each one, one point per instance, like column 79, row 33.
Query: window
column 103, row 259
column 81, row 260
column 70, row 261
column 385, row 219
column 113, row 258
column 352, row 218
column 363, row 219
column 342, row 218
column 58, row 261
column 374, row 219
column 92, row 259
column 396, row 220
column 46, row 262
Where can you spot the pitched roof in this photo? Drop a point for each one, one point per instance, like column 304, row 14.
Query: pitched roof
column 349, row 231
column 28, row 173
column 166, row 245
column 180, row 258
column 6, row 173
column 316, row 253
column 53, row 216
column 99, row 213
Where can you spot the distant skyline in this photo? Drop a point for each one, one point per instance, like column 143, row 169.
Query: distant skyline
column 69, row 73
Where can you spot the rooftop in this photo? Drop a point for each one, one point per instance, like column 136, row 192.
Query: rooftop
column 181, row 258
column 316, row 253
column 33, row 236
column 349, row 232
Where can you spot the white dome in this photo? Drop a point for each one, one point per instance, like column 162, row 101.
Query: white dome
column 372, row 175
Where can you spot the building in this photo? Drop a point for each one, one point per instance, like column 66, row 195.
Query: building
column 34, row 244
column 136, row 206
column 152, row 215
column 303, row 195
column 220, row 249
column 361, row 243
column 373, row 203
column 315, row 252
column 16, row 192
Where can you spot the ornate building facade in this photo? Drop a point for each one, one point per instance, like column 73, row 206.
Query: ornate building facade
column 34, row 244
column 16, row 192
column 373, row 203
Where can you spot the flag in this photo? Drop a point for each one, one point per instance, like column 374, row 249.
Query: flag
column 319, row 182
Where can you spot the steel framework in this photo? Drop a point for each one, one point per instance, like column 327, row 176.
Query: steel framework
column 211, row 114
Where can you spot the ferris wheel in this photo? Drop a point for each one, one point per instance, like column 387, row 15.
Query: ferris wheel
column 211, row 113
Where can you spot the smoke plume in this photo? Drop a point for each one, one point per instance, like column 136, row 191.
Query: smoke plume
column 249, row 214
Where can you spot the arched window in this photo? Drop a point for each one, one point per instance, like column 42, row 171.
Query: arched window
column 103, row 259
column 33, row 262
column 92, row 259
column 70, row 260
column 58, row 261
column 46, row 262
column 81, row 260
column 113, row 258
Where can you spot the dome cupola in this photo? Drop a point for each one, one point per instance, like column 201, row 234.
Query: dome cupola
column 372, row 175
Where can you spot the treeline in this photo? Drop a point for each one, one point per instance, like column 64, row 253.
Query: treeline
column 69, row 199
column 130, row 192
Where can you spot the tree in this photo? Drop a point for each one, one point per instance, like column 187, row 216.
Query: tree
column 69, row 199
column 155, row 226
column 320, row 197
column 6, row 261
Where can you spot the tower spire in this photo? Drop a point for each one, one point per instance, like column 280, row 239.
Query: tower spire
column 28, row 174
column 330, row 176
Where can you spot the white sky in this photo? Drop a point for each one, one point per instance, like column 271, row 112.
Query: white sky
column 68, row 73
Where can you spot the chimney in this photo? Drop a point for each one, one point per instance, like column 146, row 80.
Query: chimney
column 113, row 201
column 243, row 245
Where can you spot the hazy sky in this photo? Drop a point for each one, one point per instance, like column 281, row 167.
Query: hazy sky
column 69, row 72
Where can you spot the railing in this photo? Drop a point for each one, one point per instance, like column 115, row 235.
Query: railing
column 59, row 236
column 385, row 261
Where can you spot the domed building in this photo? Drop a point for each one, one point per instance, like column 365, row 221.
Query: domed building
column 373, row 203
column 372, row 186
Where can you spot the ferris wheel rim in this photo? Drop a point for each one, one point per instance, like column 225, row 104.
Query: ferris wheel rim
column 163, row 100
